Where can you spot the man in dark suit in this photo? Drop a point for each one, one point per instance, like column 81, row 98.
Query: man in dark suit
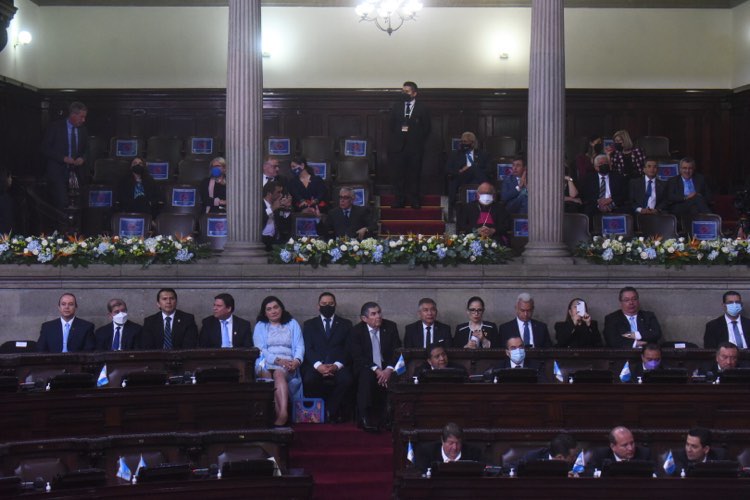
column 326, row 370
column 697, row 450
column 64, row 149
column 120, row 334
column 276, row 208
column 562, row 447
column 223, row 328
column 487, row 216
column 534, row 333
column 409, row 127
column 630, row 326
column 622, row 448
column 271, row 172
column 515, row 192
column 427, row 330
column 516, row 358
column 67, row 333
column 349, row 219
column 467, row 165
column 688, row 192
column 437, row 359
column 604, row 191
column 650, row 361
column 727, row 358
column 451, row 448
column 648, row 194
column 729, row 327
column 373, row 367
column 170, row 328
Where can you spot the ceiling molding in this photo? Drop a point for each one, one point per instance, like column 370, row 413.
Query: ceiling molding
column 608, row 4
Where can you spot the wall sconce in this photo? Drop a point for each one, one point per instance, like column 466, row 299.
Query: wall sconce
column 22, row 38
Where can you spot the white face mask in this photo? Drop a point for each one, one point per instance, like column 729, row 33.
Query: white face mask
column 486, row 199
column 120, row 318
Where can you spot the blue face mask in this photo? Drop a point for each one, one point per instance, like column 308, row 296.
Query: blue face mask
column 216, row 172
column 297, row 171
column 518, row 355
column 652, row 364
column 734, row 309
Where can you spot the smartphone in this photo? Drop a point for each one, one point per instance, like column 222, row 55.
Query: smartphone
column 581, row 308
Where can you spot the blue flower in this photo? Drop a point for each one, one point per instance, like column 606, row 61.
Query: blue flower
column 44, row 257
column 335, row 254
column 377, row 255
column 4, row 247
column 651, row 253
column 183, row 255
column 441, row 252
column 608, row 254
column 476, row 248
column 34, row 245
column 102, row 248
column 285, row 255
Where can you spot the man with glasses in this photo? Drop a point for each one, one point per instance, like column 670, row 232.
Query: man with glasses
column 466, row 165
column 630, row 326
column 730, row 326
column 349, row 219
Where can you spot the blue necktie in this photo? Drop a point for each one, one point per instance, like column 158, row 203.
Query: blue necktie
column 66, row 333
column 648, row 193
column 738, row 340
column 469, row 159
column 689, row 187
column 225, row 341
column 526, row 334
column 116, row 341
column 328, row 327
column 168, row 333
column 633, row 323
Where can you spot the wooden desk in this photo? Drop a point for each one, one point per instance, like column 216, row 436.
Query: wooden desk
column 569, row 406
column 105, row 411
column 277, row 488
column 476, row 361
column 412, row 488
column 40, row 366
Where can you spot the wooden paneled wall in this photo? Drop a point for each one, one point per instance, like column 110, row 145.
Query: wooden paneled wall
column 711, row 125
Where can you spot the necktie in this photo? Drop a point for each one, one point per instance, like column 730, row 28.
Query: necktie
column 72, row 142
column 407, row 113
column 526, row 334
column 633, row 324
column 116, row 340
column 469, row 159
column 648, row 193
column 346, row 213
column 689, row 188
column 168, row 333
column 738, row 340
column 377, row 358
column 428, row 336
column 66, row 333
column 225, row 341
column 328, row 327
column 602, row 187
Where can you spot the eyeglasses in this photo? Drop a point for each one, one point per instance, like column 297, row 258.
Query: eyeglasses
column 473, row 310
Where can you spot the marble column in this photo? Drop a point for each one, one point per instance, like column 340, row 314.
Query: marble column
column 244, row 133
column 546, row 133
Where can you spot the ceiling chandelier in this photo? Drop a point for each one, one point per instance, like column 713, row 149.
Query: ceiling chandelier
column 388, row 15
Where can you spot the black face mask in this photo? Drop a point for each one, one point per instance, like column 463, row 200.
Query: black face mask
column 604, row 168
column 406, row 97
column 327, row 311
column 138, row 169
column 465, row 147
column 598, row 148
column 618, row 146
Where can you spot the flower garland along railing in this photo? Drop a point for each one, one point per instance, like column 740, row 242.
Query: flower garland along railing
column 59, row 250
column 414, row 250
column 669, row 252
